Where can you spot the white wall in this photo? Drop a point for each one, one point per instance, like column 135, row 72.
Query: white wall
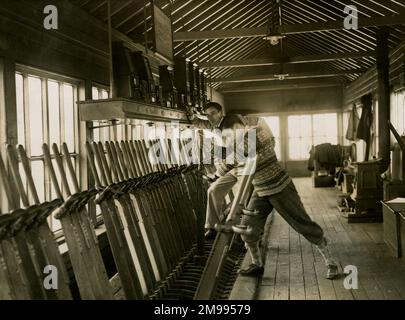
column 216, row 96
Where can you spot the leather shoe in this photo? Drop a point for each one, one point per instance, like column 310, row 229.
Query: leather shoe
column 210, row 234
column 332, row 271
column 252, row 271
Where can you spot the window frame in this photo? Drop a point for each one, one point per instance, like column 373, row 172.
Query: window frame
column 95, row 125
column 311, row 114
column 395, row 105
column 77, row 84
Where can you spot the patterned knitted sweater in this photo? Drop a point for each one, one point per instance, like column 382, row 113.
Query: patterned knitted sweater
column 270, row 178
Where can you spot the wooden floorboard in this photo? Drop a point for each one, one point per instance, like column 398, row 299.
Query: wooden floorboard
column 297, row 287
column 281, row 288
column 266, row 290
column 295, row 269
column 310, row 281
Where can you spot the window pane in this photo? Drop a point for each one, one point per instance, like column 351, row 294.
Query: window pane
column 35, row 115
column 19, row 83
column 299, row 126
column 104, row 94
column 300, row 136
column 319, row 125
column 120, row 134
column 346, row 116
column 37, row 168
column 94, row 93
column 293, row 126
column 400, row 113
column 54, row 116
column 69, row 118
column 128, row 132
column 305, row 147
column 135, row 134
column 325, row 128
column 96, row 131
column 106, row 132
column 305, row 126
column 376, row 117
column 294, row 148
column 320, row 140
column 360, row 147
column 376, row 127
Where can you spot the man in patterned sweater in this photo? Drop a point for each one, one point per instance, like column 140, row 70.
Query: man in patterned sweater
column 274, row 189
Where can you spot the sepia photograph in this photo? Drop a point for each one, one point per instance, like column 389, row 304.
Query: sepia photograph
column 204, row 156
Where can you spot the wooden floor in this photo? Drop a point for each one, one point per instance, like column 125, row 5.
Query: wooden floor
column 295, row 270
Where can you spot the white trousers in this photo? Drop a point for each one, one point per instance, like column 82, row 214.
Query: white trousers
column 216, row 195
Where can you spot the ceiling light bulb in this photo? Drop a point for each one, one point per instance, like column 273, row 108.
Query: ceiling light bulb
column 274, row 39
column 281, row 76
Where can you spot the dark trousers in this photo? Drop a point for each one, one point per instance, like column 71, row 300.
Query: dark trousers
column 288, row 204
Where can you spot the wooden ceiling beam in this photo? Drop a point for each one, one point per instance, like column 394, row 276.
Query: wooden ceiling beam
column 291, row 60
column 220, row 34
column 338, row 25
column 397, row 19
column 303, row 75
column 284, row 85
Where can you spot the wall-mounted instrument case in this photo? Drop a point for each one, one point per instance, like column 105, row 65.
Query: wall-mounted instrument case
column 126, row 82
column 168, row 89
column 133, row 76
column 144, row 72
column 181, row 81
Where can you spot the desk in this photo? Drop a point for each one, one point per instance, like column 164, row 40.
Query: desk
column 394, row 229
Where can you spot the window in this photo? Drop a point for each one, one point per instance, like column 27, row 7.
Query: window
column 324, row 128
column 299, row 136
column 346, row 117
column 374, row 146
column 274, row 124
column 360, row 144
column 304, row 131
column 398, row 112
column 46, row 113
column 101, row 132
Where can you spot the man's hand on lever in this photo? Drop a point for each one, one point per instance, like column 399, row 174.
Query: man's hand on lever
column 210, row 177
column 190, row 113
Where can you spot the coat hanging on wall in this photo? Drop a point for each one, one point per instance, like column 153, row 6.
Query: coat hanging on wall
column 351, row 132
column 365, row 123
